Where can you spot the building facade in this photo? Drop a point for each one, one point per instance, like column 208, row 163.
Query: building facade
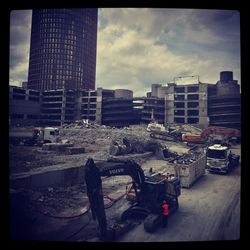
column 181, row 104
column 63, row 49
column 58, row 107
column 24, row 106
column 199, row 104
column 154, row 105
column 187, row 104
column 224, row 102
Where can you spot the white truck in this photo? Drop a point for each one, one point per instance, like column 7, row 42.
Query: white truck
column 220, row 159
column 33, row 136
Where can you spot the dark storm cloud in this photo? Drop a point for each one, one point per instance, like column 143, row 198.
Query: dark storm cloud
column 20, row 23
column 219, row 23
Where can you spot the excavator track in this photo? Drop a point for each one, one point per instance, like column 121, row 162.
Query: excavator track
column 162, row 136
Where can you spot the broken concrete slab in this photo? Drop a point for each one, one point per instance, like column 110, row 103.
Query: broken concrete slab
column 74, row 150
column 59, row 147
column 134, row 157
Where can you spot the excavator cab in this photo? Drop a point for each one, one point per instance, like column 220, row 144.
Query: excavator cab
column 158, row 188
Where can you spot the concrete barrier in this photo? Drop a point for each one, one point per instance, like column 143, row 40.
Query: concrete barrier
column 52, row 176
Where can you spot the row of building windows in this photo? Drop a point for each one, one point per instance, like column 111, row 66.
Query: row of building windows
column 59, row 64
column 88, row 112
column 189, row 97
column 59, row 69
column 22, row 97
column 189, row 120
column 87, row 93
column 189, row 104
column 56, row 42
column 84, row 100
column 186, row 89
column 192, row 112
column 22, row 116
column 63, row 46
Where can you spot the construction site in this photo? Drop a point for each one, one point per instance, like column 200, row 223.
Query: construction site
column 85, row 182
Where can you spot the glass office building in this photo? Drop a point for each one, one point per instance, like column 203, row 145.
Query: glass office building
column 63, row 49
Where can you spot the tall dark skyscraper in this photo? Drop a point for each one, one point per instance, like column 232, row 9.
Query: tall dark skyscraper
column 63, row 49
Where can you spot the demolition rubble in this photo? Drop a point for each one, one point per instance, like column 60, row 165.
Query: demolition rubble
column 47, row 181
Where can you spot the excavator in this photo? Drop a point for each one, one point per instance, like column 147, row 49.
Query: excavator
column 150, row 191
column 158, row 131
column 224, row 133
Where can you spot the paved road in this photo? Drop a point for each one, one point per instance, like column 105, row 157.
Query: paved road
column 209, row 210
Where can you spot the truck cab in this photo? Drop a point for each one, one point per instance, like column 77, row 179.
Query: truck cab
column 220, row 159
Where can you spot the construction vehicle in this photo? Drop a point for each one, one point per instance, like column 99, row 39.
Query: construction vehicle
column 159, row 131
column 220, row 159
column 212, row 133
column 150, row 191
column 27, row 136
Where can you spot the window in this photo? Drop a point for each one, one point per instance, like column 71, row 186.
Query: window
column 55, row 132
column 19, row 91
column 179, row 120
column 193, row 112
column 179, row 112
column 84, row 99
column 193, row 120
column 92, row 105
column 193, row 89
column 193, row 104
column 179, row 89
column 193, row 97
column 17, row 116
column 92, row 99
column 179, row 105
column 179, row 97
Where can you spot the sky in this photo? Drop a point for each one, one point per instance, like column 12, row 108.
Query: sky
column 137, row 47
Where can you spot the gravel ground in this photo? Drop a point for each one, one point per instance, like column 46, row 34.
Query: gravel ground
column 209, row 210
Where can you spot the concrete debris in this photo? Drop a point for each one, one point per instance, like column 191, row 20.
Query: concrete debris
column 59, row 147
column 74, row 150
column 138, row 158
column 133, row 145
column 51, row 178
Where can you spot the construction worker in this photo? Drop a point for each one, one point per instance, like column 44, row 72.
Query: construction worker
column 165, row 207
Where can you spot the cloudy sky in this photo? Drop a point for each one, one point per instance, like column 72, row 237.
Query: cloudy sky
column 138, row 47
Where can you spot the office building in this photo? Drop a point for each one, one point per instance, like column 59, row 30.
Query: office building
column 224, row 102
column 181, row 104
column 24, row 106
column 63, row 49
